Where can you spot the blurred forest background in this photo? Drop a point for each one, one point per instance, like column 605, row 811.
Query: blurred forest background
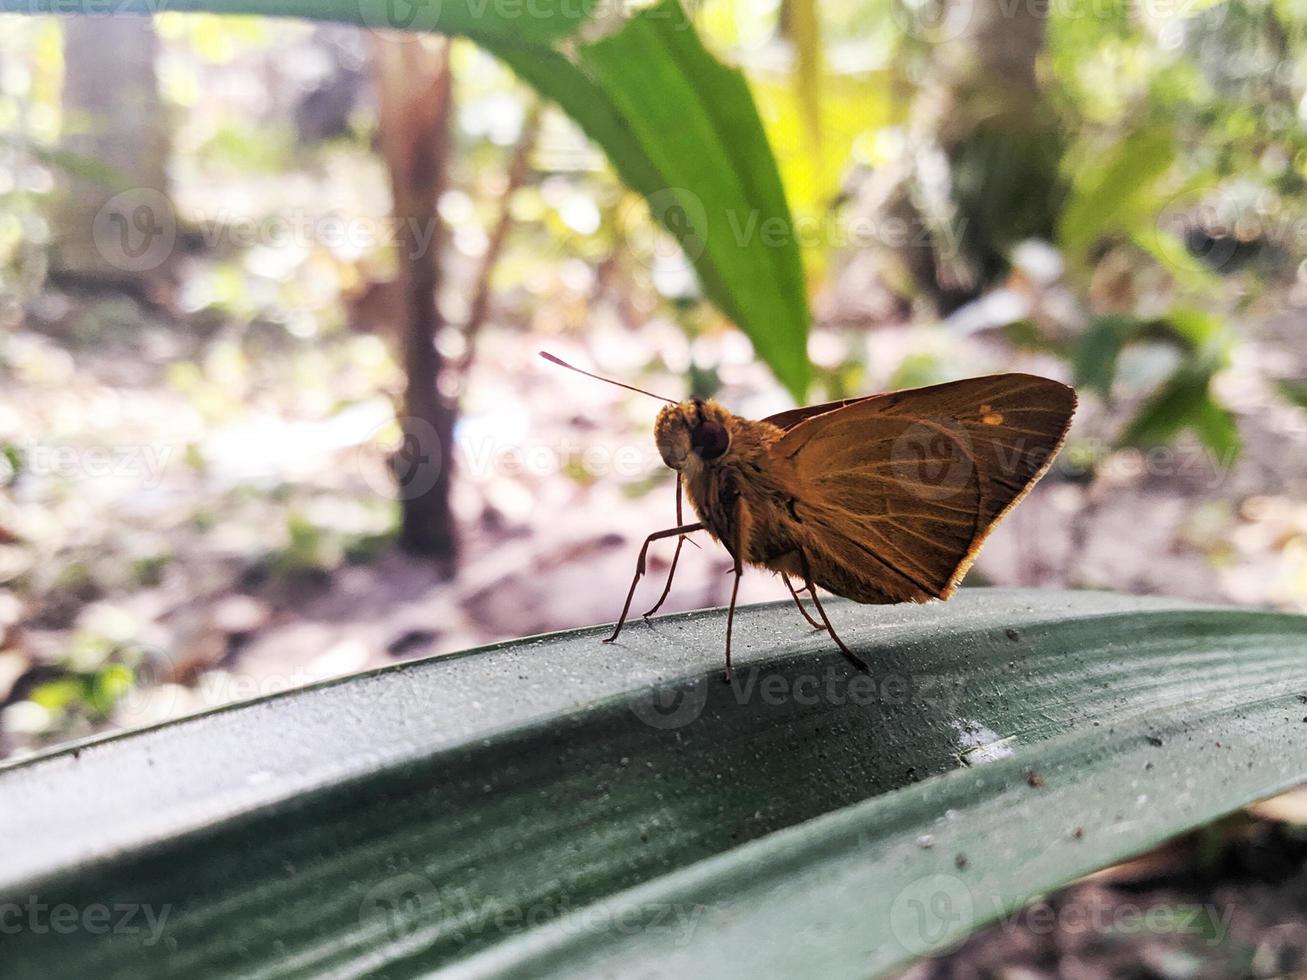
column 203, row 296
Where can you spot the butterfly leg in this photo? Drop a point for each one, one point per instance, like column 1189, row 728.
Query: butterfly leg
column 730, row 617
column 671, row 574
column 812, row 590
column 676, row 556
column 639, row 569
column 799, row 602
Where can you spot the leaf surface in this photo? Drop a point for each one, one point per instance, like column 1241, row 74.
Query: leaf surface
column 556, row 807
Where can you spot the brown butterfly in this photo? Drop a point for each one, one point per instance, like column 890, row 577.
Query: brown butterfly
column 883, row 498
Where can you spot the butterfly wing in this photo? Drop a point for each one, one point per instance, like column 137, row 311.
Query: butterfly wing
column 897, row 492
column 792, row 417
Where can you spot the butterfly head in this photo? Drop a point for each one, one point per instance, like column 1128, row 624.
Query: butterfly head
column 692, row 432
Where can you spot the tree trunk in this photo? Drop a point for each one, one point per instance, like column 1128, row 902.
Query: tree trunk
column 415, row 105
column 984, row 116
column 114, row 224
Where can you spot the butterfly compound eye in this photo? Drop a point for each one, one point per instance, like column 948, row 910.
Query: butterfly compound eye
column 709, row 439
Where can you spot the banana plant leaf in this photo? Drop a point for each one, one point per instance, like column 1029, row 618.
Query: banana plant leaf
column 557, row 807
column 521, row 21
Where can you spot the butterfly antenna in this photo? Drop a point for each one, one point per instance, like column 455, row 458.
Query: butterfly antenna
column 571, row 367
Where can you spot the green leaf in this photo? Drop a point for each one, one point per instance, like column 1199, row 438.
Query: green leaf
column 1098, row 350
column 1200, row 330
column 1216, row 427
column 1293, row 390
column 1199, row 336
column 682, row 129
column 106, row 687
column 1114, row 193
column 1026, row 335
column 1169, row 411
column 1184, row 402
column 530, row 21
column 558, row 807
column 58, row 695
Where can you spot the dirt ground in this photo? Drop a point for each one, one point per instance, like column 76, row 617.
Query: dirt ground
column 1227, row 902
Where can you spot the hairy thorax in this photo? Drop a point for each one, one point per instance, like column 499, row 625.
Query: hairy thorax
column 741, row 491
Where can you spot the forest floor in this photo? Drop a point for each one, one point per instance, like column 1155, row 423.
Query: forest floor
column 218, row 508
column 1225, row 902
